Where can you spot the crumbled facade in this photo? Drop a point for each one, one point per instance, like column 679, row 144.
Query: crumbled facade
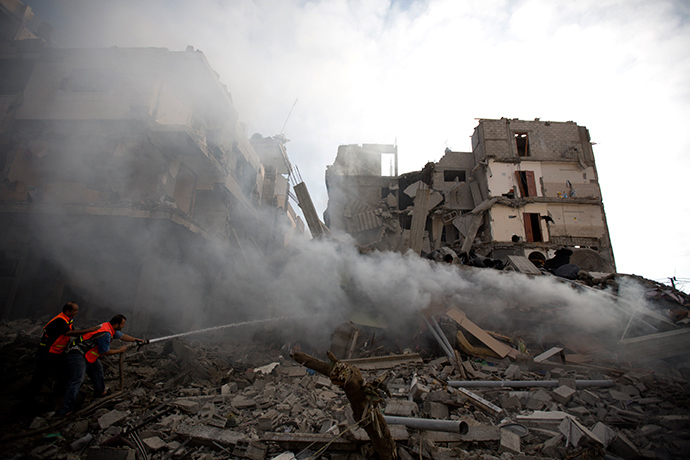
column 119, row 164
column 527, row 188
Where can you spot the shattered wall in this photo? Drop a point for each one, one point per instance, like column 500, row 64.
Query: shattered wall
column 359, row 196
column 127, row 184
column 526, row 186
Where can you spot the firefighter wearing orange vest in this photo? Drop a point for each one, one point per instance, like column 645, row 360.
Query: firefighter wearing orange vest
column 50, row 360
column 82, row 357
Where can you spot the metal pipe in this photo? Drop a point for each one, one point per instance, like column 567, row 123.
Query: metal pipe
column 443, row 335
column 450, row 426
column 525, row 383
column 448, row 353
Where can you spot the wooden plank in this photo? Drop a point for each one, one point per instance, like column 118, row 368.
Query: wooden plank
column 462, row 320
column 480, row 402
column 419, row 214
column 529, row 236
column 531, row 184
column 384, row 362
column 549, row 353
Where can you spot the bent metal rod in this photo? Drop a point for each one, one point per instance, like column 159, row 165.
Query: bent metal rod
column 215, row 328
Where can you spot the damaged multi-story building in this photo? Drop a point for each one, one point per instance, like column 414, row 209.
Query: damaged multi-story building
column 527, row 188
column 124, row 173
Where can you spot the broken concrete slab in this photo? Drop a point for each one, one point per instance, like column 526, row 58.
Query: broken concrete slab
column 575, row 432
column 208, row 435
column 111, row 418
column 187, row 405
column 401, row 408
column 603, row 433
column 510, row 442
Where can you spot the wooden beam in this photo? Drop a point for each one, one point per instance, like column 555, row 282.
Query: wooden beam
column 496, row 346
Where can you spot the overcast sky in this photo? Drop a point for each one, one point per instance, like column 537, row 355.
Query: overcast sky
column 420, row 72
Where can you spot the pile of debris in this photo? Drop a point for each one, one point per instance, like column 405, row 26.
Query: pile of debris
column 486, row 396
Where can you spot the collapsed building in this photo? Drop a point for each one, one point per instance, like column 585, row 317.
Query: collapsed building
column 527, row 188
column 127, row 180
column 122, row 168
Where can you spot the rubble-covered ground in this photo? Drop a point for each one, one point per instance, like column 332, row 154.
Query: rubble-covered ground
column 238, row 394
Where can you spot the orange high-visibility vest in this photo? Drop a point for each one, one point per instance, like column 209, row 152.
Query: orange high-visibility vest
column 61, row 342
column 92, row 355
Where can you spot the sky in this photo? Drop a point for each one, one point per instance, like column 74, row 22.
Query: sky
column 420, row 73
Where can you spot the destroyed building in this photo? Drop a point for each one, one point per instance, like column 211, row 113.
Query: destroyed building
column 120, row 168
column 527, row 188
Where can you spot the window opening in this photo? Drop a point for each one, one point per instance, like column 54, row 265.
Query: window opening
column 388, row 164
column 522, row 143
column 450, row 175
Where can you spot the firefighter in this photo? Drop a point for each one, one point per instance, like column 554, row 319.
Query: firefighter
column 82, row 357
column 50, row 357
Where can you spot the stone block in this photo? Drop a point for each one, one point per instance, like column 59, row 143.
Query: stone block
column 401, row 408
column 322, row 382
column 567, row 382
column 295, row 371
column 510, row 442
column 535, row 404
column 604, row 433
column 241, row 402
column 252, row 450
column 154, row 443
column 269, row 420
column 554, row 447
column 513, row 372
column 588, row 397
column 435, row 410
column 624, row 447
column 649, row 430
column 563, row 394
column 619, row 396
column 419, row 391
column 187, row 405
column 228, row 389
column 574, row 431
column 511, row 403
column 111, row 418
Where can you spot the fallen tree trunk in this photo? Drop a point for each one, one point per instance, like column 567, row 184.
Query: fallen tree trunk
column 364, row 399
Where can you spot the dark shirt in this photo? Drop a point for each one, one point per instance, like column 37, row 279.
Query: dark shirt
column 52, row 331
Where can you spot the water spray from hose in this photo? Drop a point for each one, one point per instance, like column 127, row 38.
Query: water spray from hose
column 215, row 328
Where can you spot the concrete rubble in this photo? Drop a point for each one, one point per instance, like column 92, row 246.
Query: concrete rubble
column 236, row 396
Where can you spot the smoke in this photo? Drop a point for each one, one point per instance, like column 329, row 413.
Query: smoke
column 325, row 53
